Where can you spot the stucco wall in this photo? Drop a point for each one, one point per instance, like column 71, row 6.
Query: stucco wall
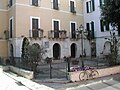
column 3, row 48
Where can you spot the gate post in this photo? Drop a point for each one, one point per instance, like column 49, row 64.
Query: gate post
column 49, row 60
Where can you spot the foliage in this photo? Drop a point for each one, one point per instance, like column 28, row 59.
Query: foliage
column 112, row 57
column 34, row 56
column 111, row 12
column 24, row 47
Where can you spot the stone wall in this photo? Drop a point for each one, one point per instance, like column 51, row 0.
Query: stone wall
column 74, row 76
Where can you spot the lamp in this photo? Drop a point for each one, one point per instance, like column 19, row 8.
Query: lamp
column 80, row 31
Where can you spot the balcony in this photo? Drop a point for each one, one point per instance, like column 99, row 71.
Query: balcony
column 74, row 36
column 54, row 34
column 36, row 33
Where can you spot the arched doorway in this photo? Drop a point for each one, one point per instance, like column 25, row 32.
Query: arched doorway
column 73, row 50
column 56, row 51
column 107, row 47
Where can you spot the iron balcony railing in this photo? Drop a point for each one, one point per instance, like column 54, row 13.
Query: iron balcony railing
column 74, row 35
column 36, row 33
column 58, row 34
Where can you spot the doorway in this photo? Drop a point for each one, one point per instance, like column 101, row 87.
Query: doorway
column 73, row 50
column 56, row 51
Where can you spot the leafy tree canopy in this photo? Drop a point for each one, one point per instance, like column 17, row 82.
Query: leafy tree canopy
column 111, row 12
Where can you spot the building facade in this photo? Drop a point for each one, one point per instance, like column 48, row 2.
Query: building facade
column 99, row 29
column 49, row 23
column 52, row 24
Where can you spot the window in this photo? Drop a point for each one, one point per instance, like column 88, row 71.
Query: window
column 35, row 25
column 35, row 2
column 72, row 6
column 56, row 28
column 90, row 6
column 73, row 34
column 11, row 27
column 90, row 29
column 55, row 4
column 104, row 26
column 10, row 3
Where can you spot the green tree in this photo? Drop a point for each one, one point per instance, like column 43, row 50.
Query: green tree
column 34, row 56
column 24, row 47
column 110, row 12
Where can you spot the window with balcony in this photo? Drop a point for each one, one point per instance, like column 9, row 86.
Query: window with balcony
column 90, row 29
column 104, row 25
column 72, row 6
column 90, row 6
column 56, row 29
column 73, row 34
column 55, row 4
column 35, row 32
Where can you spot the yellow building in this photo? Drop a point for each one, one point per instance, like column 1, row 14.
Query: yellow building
column 49, row 23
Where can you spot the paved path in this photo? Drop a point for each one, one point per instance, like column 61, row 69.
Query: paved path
column 105, row 83
column 102, row 85
column 13, row 82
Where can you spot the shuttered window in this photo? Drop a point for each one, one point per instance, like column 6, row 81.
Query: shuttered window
column 35, row 2
column 56, row 29
column 90, row 29
column 72, row 7
column 34, row 23
column 90, row 6
column 104, row 25
column 73, row 35
column 87, row 7
column 55, row 4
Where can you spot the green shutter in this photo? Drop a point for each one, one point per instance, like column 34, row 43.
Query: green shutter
column 93, row 5
column 87, row 8
column 88, row 29
column 92, row 29
column 102, row 25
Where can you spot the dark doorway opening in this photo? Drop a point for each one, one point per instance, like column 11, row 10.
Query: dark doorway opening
column 56, row 51
column 73, row 50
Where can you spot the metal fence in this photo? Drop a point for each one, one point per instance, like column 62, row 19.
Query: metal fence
column 57, row 68
column 15, row 61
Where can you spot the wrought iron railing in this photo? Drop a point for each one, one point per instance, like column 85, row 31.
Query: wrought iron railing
column 59, row 34
column 36, row 33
